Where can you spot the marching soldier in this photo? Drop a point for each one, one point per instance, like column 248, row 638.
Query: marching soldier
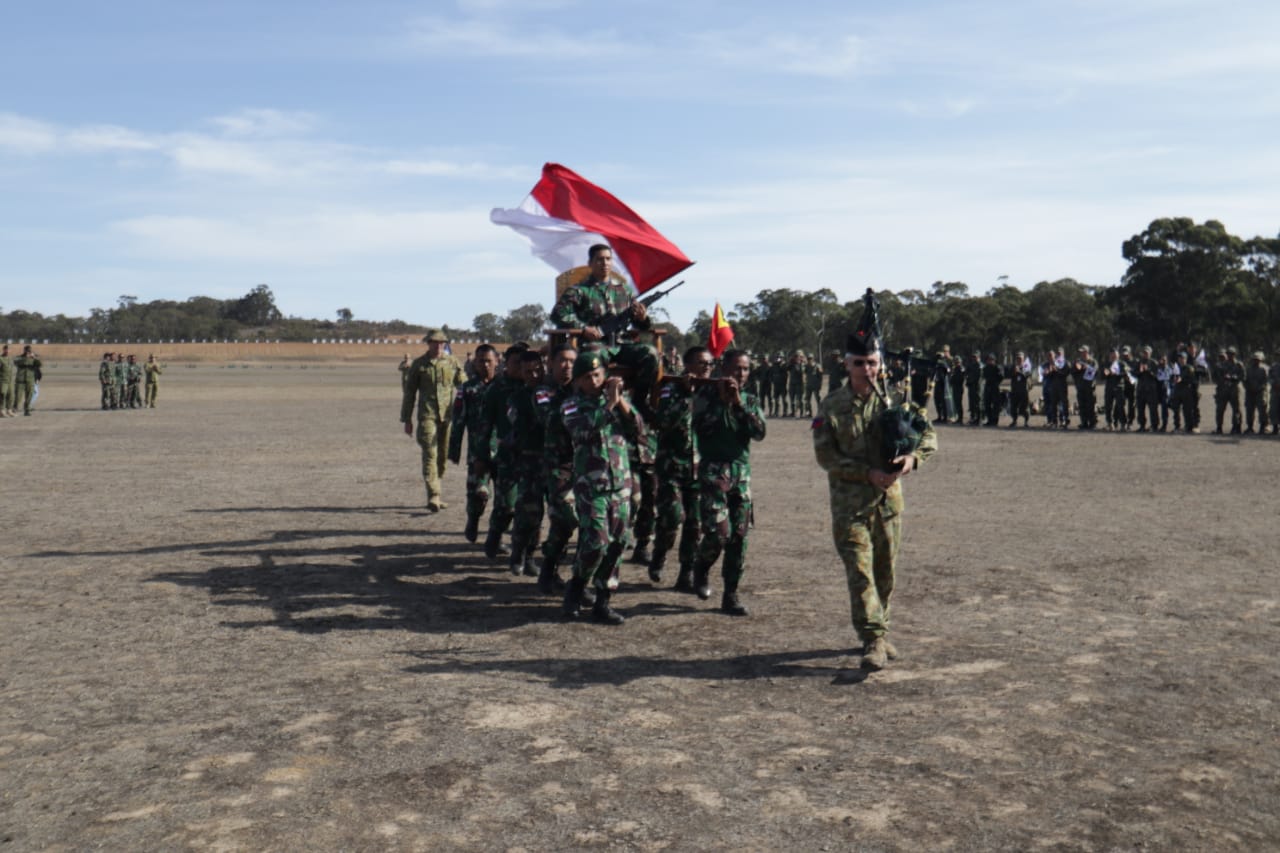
column 557, row 455
column 525, row 411
column 677, row 468
column 433, row 380
column 597, row 419
column 466, row 419
column 496, row 449
column 726, row 420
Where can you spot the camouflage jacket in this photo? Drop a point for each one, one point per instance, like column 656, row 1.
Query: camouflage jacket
column 847, row 445
column 466, row 418
column 599, row 438
column 133, row 373
column 104, row 373
column 725, row 432
column 495, row 426
column 677, row 442
column 117, row 372
column 6, row 370
column 527, row 411
column 557, row 447
column 434, row 383
column 588, row 303
column 1228, row 374
column 153, row 370
column 25, row 367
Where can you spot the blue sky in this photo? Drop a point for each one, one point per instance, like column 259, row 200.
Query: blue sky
column 348, row 154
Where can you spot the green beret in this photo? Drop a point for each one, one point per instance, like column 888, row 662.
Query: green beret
column 585, row 363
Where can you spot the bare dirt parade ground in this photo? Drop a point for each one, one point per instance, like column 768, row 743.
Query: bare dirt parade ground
column 229, row 623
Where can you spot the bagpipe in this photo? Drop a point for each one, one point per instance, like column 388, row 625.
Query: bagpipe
column 902, row 426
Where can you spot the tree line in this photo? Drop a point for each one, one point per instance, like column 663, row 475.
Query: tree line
column 1185, row 281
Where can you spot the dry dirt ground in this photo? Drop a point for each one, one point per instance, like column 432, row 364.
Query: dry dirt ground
column 229, row 623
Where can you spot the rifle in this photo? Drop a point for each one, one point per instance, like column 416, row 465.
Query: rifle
column 612, row 325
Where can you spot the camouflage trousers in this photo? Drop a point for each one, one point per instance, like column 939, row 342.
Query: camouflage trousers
column 868, row 546
column 562, row 516
column 106, row 396
column 433, row 438
column 724, row 510
column 504, row 495
column 644, row 496
column 477, row 487
column 528, row 509
column 153, row 391
column 603, row 519
column 678, row 511
column 133, row 395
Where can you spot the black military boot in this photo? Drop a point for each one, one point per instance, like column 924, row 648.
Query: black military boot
column 656, row 564
column 472, row 530
column 548, row 580
column 729, row 602
column 642, row 554
column 573, row 596
column 684, row 580
column 602, row 613
column 701, row 583
column 530, row 569
column 493, row 547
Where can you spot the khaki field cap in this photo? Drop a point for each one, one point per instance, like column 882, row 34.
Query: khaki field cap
column 436, row 336
column 1231, row 350
column 1084, row 348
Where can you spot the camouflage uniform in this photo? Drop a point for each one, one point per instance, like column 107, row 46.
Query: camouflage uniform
column 562, row 513
column 601, row 484
column 812, row 386
column 133, row 383
column 7, row 377
column 104, row 379
column 643, row 450
column 866, row 521
column 1255, row 394
column 527, row 413
column 590, row 302
column 153, row 370
column 677, row 470
column 1227, row 376
column 434, row 383
column 496, row 455
column 466, row 419
column 118, row 391
column 796, row 383
column 24, row 369
column 724, row 435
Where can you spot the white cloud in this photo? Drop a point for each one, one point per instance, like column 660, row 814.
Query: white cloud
column 108, row 137
column 479, row 37
column 265, row 123
column 828, row 55
column 26, row 135
column 451, row 169
column 306, row 239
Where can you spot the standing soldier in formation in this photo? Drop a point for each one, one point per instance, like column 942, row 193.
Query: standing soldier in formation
column 1113, row 391
column 1186, row 392
column 119, row 380
column 1085, row 371
column 153, row 369
column 796, row 382
column 973, row 385
column 433, row 380
column 26, row 369
column 1273, row 376
column 496, row 450
column 1255, row 394
column 133, row 382
column 1228, row 375
column 1148, row 393
column 919, row 375
column 1019, row 390
column 991, row 376
column 104, row 379
column 780, row 376
column 597, row 419
column 7, row 377
column 557, row 455
column 677, row 468
column 527, row 415
column 726, row 420
column 959, row 377
column 466, row 419
column 941, row 387
column 1129, row 366
column 866, row 495
column 812, row 386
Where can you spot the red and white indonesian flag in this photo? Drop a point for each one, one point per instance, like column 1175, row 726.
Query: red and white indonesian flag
column 565, row 215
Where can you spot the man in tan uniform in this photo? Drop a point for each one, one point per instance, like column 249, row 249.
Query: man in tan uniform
column 433, row 379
